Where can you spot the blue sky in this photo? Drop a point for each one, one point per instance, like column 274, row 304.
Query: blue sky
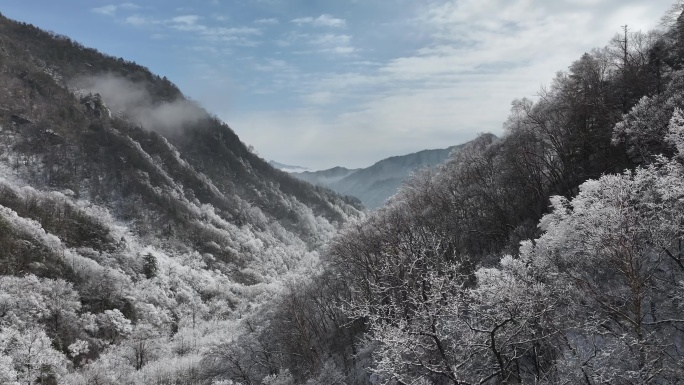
column 324, row 83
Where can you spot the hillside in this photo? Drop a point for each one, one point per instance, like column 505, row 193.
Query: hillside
column 373, row 185
column 136, row 229
column 550, row 255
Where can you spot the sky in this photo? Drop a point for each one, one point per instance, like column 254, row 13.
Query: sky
column 322, row 83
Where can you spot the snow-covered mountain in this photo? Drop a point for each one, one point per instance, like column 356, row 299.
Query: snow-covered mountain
column 136, row 230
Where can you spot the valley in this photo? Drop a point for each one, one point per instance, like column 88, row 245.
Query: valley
column 143, row 242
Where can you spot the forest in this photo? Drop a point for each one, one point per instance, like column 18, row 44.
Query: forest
column 129, row 255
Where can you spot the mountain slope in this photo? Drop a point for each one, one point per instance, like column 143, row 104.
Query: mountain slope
column 131, row 220
column 375, row 184
column 547, row 256
column 40, row 93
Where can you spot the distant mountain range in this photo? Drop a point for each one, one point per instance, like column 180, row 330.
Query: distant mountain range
column 375, row 184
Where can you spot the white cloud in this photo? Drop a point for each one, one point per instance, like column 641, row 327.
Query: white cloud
column 331, row 39
column 329, row 21
column 324, row 20
column 328, row 43
column 241, row 35
column 108, row 10
column 332, row 43
column 341, row 50
column 187, row 23
column 354, row 139
column 111, row 9
column 475, row 57
column 319, row 98
column 138, row 20
column 185, row 19
column 270, row 21
column 226, row 34
column 270, row 65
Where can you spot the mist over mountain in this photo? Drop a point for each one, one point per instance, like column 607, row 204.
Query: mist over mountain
column 134, row 101
column 287, row 167
column 326, row 177
column 375, row 184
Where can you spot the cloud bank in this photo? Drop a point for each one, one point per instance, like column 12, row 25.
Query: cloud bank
column 134, row 101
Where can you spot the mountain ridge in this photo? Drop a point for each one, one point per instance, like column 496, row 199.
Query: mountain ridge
column 374, row 184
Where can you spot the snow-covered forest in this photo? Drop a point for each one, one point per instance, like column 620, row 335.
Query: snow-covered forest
column 142, row 243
